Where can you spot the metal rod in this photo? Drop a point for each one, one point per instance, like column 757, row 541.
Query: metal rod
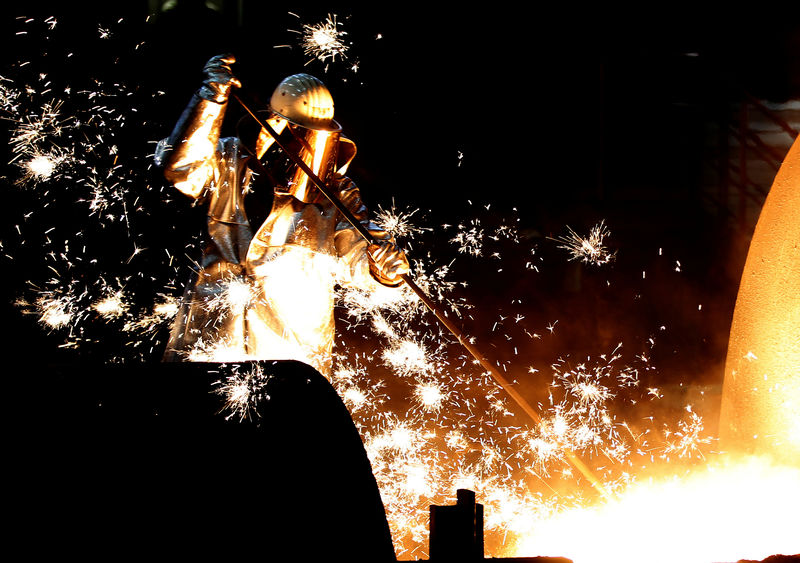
column 448, row 324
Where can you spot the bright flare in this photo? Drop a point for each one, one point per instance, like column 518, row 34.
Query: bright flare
column 726, row 511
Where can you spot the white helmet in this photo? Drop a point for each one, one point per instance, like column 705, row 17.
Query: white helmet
column 305, row 101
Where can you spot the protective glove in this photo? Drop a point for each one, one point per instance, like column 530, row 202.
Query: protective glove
column 387, row 263
column 219, row 79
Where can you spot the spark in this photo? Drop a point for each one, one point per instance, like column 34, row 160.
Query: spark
column 56, row 312
column 233, row 297
column 8, row 94
column 34, row 127
column 111, row 306
column 166, row 309
column 688, row 437
column 354, row 398
column 469, row 238
column 590, row 249
column 41, row 166
column 162, row 311
column 216, row 350
column 399, row 223
column 407, row 356
column 430, row 396
column 243, row 391
column 324, row 41
column 440, row 422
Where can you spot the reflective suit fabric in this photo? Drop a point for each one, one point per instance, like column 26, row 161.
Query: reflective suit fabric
column 286, row 272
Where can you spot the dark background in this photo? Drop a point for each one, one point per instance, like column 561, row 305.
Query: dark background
column 568, row 115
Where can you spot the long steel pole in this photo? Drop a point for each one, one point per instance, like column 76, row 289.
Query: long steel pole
column 446, row 322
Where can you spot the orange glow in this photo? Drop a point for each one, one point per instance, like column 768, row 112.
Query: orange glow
column 305, row 329
column 200, row 148
column 265, row 140
column 742, row 504
column 761, row 393
column 726, row 511
column 319, row 143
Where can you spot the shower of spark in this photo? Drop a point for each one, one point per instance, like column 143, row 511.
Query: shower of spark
column 590, row 249
column 40, row 167
column 469, row 238
column 36, row 127
column 324, row 41
column 79, row 152
column 56, row 312
column 147, row 323
column 111, row 306
column 430, row 396
column 399, row 223
column 243, row 390
column 431, row 419
column 234, row 297
column 407, row 356
column 458, row 429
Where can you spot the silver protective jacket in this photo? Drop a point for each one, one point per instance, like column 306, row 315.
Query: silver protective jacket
column 264, row 293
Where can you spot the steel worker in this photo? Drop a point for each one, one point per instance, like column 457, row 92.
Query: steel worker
column 265, row 289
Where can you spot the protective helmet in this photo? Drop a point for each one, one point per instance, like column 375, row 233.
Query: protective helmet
column 305, row 101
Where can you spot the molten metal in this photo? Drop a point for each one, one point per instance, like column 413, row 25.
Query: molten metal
column 761, row 393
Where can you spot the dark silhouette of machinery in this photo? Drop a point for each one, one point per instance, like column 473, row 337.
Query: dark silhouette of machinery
column 141, row 461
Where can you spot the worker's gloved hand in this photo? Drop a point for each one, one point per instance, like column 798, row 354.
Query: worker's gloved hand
column 219, row 79
column 387, row 263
